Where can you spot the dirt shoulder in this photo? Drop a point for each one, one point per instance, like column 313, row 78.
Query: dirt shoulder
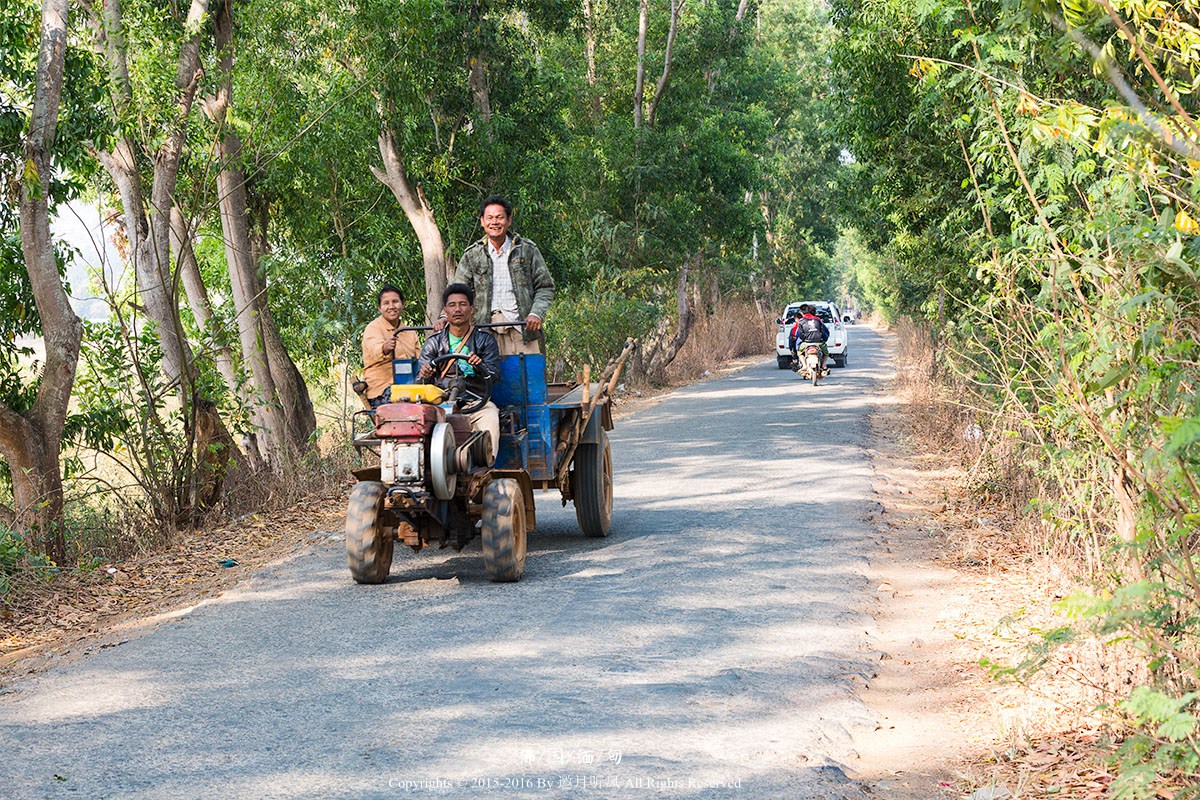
column 955, row 589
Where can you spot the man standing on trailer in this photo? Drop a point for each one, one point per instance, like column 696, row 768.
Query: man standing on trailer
column 510, row 279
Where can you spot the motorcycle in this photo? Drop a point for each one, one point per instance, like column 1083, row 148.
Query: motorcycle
column 808, row 363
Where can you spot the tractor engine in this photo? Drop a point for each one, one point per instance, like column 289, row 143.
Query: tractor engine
column 417, row 447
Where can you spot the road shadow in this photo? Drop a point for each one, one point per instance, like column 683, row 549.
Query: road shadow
column 710, row 645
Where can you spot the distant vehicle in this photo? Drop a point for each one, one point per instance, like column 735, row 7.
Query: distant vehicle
column 828, row 312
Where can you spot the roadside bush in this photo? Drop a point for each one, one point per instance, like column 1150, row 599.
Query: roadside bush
column 589, row 324
column 18, row 560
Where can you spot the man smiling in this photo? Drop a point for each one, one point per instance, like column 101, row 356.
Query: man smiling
column 510, row 279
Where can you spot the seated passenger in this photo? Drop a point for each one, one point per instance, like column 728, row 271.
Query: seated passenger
column 383, row 341
column 461, row 336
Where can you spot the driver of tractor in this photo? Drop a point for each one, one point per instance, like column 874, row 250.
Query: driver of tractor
column 479, row 368
column 809, row 329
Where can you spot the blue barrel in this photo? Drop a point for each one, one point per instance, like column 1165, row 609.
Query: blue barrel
column 522, row 381
column 521, row 389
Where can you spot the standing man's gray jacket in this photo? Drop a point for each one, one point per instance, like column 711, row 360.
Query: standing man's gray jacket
column 531, row 280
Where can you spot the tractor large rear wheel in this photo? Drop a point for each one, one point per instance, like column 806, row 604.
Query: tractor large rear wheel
column 503, row 530
column 368, row 544
column 593, row 488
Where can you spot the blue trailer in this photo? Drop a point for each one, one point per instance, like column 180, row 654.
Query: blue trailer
column 433, row 485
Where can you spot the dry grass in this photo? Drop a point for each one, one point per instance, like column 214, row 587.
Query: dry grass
column 1054, row 732
column 729, row 331
column 115, row 525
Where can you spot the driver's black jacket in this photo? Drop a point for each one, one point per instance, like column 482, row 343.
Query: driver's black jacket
column 809, row 329
column 480, row 342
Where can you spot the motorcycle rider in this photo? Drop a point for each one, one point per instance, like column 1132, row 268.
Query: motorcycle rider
column 809, row 329
column 461, row 336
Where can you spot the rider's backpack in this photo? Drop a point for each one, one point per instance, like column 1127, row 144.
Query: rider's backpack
column 811, row 329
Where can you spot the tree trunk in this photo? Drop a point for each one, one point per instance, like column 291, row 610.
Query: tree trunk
column 477, row 82
column 420, row 215
column 590, row 49
column 661, row 87
column 243, row 280
column 198, row 302
column 197, row 294
column 30, row 442
column 165, row 292
column 639, row 86
column 661, row 348
column 33, row 461
column 284, row 411
column 148, row 226
column 299, row 419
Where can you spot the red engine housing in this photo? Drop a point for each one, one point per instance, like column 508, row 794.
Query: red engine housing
column 411, row 421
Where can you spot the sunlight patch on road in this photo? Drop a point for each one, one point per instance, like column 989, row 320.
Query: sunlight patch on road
column 595, row 572
column 94, row 695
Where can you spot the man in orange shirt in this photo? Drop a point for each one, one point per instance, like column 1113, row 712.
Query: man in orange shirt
column 383, row 341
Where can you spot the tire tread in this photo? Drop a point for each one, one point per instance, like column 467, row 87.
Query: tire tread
column 368, row 548
column 593, row 508
column 503, row 531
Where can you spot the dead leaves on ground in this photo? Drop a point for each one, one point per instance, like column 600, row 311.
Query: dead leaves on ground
column 1072, row 764
column 1048, row 743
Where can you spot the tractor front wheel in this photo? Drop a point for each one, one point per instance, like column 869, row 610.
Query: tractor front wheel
column 593, row 489
column 503, row 530
column 368, row 545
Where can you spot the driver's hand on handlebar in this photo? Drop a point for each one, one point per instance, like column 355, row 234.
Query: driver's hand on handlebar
column 533, row 323
column 474, row 360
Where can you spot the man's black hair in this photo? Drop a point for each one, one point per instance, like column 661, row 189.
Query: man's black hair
column 387, row 287
column 458, row 288
column 495, row 200
column 808, row 309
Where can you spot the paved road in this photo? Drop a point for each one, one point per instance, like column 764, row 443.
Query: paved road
column 706, row 649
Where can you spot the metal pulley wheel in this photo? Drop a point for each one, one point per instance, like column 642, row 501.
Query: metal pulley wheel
column 443, row 463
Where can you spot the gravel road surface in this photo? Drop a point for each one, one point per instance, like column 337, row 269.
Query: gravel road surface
column 708, row 648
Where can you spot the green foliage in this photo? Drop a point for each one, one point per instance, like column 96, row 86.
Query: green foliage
column 740, row 137
column 128, row 423
column 17, row 558
column 1047, row 228
column 589, row 324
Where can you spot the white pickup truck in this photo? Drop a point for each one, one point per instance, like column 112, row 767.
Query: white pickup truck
column 839, row 336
